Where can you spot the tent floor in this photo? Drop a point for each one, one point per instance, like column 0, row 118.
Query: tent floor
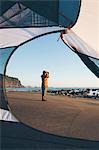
column 16, row 135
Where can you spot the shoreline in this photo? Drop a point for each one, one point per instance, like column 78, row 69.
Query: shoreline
column 71, row 92
column 54, row 93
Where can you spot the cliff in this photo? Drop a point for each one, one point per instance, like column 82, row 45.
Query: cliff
column 12, row 82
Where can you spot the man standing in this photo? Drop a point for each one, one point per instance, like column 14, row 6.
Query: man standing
column 44, row 78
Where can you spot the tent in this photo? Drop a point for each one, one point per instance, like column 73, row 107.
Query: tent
column 20, row 22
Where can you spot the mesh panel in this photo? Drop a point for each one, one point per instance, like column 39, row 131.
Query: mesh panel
column 19, row 15
column 4, row 55
column 47, row 13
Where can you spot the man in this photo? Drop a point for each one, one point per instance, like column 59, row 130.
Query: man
column 44, row 78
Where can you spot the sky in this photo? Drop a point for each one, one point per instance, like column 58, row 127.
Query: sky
column 46, row 53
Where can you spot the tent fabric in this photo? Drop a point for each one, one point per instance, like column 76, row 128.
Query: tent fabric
column 7, row 116
column 87, row 29
column 24, row 17
column 21, row 21
column 87, row 25
column 91, row 63
column 50, row 11
column 89, row 56
column 4, row 56
column 32, row 14
column 16, row 135
column 15, row 36
column 82, row 47
column 3, row 101
column 85, row 41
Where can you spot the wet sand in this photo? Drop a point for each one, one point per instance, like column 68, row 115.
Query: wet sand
column 59, row 115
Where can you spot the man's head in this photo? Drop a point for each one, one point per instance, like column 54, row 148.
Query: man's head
column 44, row 71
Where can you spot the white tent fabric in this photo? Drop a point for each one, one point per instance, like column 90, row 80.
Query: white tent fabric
column 87, row 26
column 74, row 41
column 7, row 116
column 84, row 36
column 15, row 36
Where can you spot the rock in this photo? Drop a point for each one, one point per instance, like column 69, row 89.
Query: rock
column 11, row 82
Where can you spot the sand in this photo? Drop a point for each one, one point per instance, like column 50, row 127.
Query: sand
column 59, row 115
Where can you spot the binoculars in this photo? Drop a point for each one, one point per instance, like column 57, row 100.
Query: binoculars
column 46, row 74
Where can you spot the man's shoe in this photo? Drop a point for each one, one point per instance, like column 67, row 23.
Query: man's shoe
column 44, row 99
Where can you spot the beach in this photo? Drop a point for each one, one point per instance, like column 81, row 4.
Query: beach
column 59, row 115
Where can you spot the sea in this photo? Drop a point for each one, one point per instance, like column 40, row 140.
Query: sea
column 30, row 89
